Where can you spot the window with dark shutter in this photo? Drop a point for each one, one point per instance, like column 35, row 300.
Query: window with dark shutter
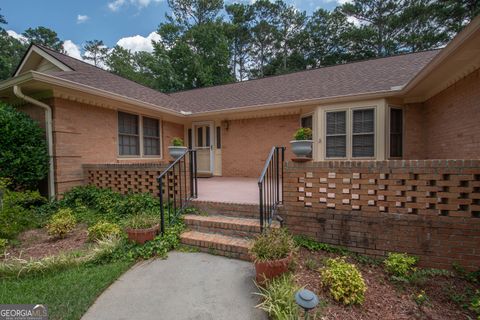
column 199, row 137
column 336, row 135
column 128, row 134
column 396, row 133
column 307, row 122
column 363, row 133
column 151, row 137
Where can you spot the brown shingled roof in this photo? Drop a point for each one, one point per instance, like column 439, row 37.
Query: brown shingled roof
column 92, row 76
column 363, row 77
column 340, row 80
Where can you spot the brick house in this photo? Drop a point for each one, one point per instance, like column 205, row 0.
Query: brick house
column 367, row 118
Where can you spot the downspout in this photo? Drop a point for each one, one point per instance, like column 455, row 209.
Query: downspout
column 48, row 127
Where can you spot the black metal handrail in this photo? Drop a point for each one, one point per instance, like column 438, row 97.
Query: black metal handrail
column 270, row 186
column 177, row 185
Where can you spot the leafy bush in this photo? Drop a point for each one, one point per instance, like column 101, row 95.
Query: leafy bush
column 344, row 280
column 303, row 134
column 141, row 221
column 23, row 149
column 279, row 298
column 475, row 304
column 26, row 199
column 3, row 244
column 400, row 264
column 103, row 230
column 177, row 142
column 61, row 223
column 274, row 244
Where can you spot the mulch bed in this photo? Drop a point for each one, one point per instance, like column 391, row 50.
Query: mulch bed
column 385, row 299
column 36, row 244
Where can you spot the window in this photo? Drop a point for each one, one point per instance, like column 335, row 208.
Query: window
column 219, row 138
column 190, row 138
column 151, row 137
column 200, row 137
column 396, row 132
column 336, row 137
column 363, row 133
column 138, row 136
column 207, row 136
column 307, row 122
column 128, row 134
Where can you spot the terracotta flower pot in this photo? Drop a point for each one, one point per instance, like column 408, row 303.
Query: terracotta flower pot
column 268, row 270
column 143, row 235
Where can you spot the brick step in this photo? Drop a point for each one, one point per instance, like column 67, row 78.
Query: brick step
column 227, row 246
column 229, row 226
column 238, row 210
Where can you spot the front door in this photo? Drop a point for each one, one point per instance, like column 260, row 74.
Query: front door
column 202, row 142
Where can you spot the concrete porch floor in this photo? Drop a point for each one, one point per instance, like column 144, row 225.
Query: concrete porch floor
column 228, row 189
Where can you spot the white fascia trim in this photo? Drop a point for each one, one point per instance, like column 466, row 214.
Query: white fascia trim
column 44, row 55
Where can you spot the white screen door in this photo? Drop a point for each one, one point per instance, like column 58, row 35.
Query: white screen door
column 202, row 142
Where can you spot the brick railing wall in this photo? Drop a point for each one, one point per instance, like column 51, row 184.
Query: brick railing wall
column 124, row 178
column 429, row 208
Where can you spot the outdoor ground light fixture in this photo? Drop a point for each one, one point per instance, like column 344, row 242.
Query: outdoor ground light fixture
column 306, row 299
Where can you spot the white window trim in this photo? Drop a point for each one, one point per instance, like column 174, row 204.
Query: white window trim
column 142, row 155
column 388, row 131
column 349, row 132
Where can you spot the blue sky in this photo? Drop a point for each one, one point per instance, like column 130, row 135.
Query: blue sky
column 129, row 21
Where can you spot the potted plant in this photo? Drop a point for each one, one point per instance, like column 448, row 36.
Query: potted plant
column 177, row 149
column 142, row 227
column 302, row 143
column 272, row 253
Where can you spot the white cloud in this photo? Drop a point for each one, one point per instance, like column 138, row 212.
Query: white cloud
column 82, row 18
column 72, row 49
column 138, row 42
column 354, row 20
column 17, row 36
column 139, row 4
column 344, row 1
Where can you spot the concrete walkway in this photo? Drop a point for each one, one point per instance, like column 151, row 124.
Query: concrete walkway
column 184, row 286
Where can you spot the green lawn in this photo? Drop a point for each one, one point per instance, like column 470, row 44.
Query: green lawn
column 68, row 294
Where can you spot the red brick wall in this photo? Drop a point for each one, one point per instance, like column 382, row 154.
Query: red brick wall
column 414, row 132
column 246, row 143
column 428, row 208
column 86, row 134
column 452, row 120
column 447, row 125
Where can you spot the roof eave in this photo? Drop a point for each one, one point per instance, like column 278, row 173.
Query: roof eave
column 34, row 75
column 305, row 102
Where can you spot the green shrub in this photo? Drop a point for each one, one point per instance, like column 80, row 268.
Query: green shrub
column 279, row 298
column 344, row 281
column 3, row 244
column 475, row 304
column 103, row 230
column 23, row 149
column 177, row 142
column 303, row 134
column 26, row 199
column 274, row 244
column 400, row 264
column 61, row 223
column 142, row 221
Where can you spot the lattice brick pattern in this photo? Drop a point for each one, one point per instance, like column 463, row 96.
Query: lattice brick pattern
column 430, row 190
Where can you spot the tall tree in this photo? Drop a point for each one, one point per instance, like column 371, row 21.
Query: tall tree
column 11, row 51
column 327, row 42
column 289, row 22
column 44, row 36
column 264, row 34
column 95, row 51
column 380, row 19
column 189, row 13
column 195, row 40
column 240, row 34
